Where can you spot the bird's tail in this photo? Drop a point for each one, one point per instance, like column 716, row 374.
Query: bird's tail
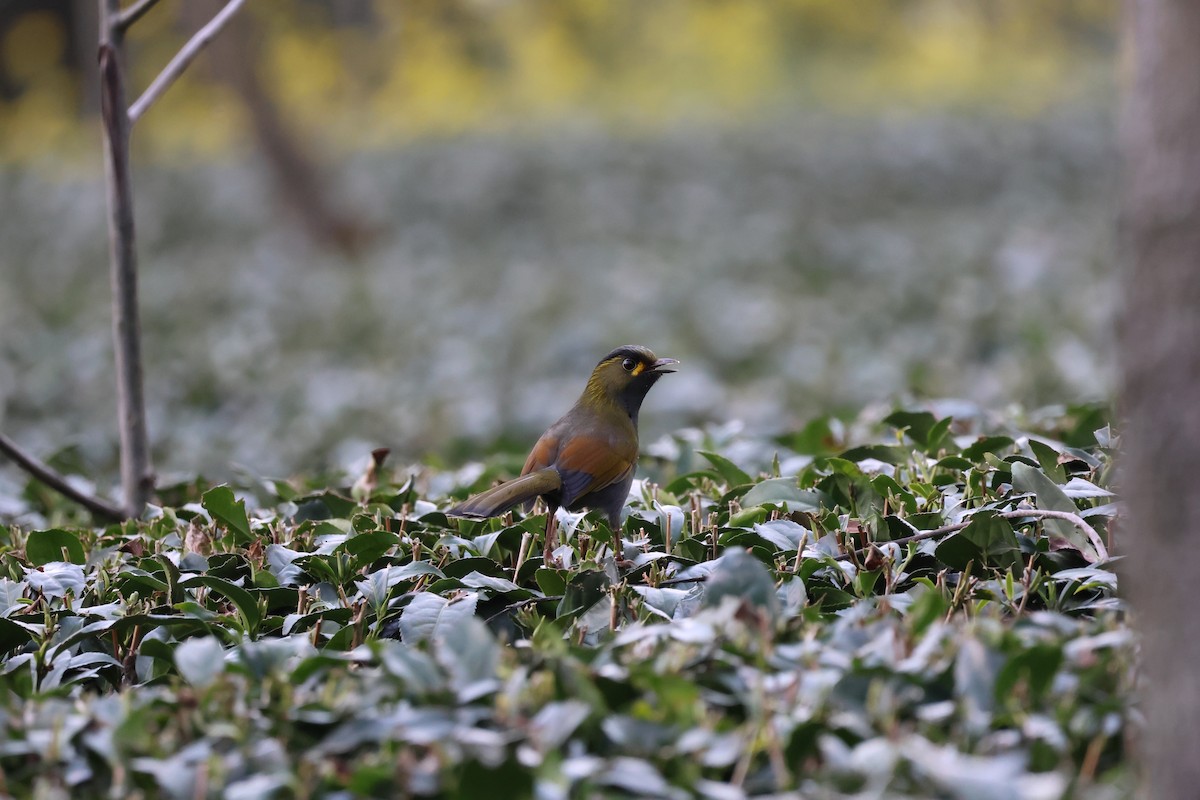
column 501, row 498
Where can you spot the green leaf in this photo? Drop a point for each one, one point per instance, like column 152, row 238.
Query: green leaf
column 477, row 580
column 748, row 516
column 956, row 463
column 508, row 537
column 229, row 511
column 975, row 670
column 171, row 573
column 508, row 780
column 11, row 593
column 582, row 592
column 739, row 574
column 55, row 544
column 13, row 635
column 200, row 660
column 732, row 474
column 1037, row 665
column 376, row 588
column 244, row 601
column 57, row 578
column 426, row 614
column 842, row 466
column 298, row 623
column 784, row 534
column 468, row 651
column 636, row 776
column 555, row 722
column 157, row 648
column 923, row 428
column 415, row 668
column 987, row 540
column 928, row 607
column 1050, row 496
column 778, row 491
column 324, row 505
column 464, row 566
column 368, row 546
column 986, row 444
column 552, row 582
column 886, row 486
column 267, row 656
column 1047, row 458
column 888, row 454
column 938, row 437
column 816, row 438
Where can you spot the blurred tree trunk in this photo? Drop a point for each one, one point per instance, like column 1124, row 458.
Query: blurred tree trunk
column 296, row 174
column 1160, row 351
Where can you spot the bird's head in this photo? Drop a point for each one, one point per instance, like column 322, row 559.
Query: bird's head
column 623, row 377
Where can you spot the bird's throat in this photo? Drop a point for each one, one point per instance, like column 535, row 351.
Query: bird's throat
column 627, row 400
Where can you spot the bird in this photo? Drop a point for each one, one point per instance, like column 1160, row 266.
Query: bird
column 588, row 457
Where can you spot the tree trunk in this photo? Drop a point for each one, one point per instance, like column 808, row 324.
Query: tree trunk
column 1160, row 353
column 297, row 175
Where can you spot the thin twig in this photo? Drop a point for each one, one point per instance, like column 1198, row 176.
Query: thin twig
column 182, row 59
column 678, row 581
column 528, row 601
column 133, row 13
column 57, row 482
column 1074, row 519
column 523, row 553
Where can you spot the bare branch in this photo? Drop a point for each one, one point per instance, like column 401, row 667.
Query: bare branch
column 57, row 482
column 133, row 14
column 182, row 59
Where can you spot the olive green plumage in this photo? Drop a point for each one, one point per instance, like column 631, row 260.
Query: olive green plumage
column 587, row 458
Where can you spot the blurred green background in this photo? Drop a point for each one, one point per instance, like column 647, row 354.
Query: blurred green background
column 419, row 224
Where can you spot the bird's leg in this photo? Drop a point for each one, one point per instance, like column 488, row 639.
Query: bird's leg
column 615, row 530
column 551, row 535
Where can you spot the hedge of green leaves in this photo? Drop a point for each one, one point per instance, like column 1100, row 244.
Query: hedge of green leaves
column 778, row 616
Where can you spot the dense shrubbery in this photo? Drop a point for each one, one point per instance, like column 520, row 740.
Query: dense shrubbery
column 745, row 636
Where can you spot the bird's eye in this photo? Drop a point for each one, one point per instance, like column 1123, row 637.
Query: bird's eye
column 628, row 364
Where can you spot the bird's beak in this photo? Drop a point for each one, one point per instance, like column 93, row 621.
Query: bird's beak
column 662, row 365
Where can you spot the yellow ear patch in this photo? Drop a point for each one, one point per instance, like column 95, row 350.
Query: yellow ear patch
column 638, row 368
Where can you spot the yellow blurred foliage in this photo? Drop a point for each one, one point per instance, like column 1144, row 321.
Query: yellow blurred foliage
column 34, row 44
column 546, row 70
column 445, row 67
column 428, row 88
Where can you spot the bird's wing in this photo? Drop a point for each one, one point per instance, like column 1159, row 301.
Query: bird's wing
column 589, row 463
column 544, row 452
